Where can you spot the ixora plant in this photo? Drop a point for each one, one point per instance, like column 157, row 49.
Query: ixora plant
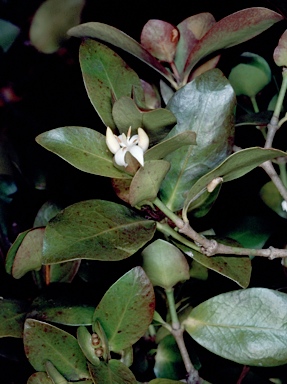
column 167, row 165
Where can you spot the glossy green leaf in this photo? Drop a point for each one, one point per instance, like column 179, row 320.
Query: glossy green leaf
column 107, row 78
column 251, row 75
column 165, row 264
column 235, row 268
column 245, row 326
column 155, row 122
column 162, row 149
column 146, row 182
column 191, row 29
column 9, row 33
column 235, row 166
column 62, row 310
column 12, row 317
column 57, row 346
column 204, row 106
column 13, row 250
column 272, row 198
column 114, row 372
column 280, row 52
column 118, row 38
column 160, row 39
column 233, row 29
column 168, row 360
column 96, row 230
column 28, row 256
column 85, row 342
column 51, row 21
column 130, row 298
column 39, row 378
column 84, row 148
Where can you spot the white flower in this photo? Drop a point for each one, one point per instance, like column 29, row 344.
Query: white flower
column 120, row 145
column 284, row 205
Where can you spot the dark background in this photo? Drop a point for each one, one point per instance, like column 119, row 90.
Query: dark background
column 49, row 93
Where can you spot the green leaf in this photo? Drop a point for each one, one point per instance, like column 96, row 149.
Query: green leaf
column 251, row 75
column 206, row 107
column 118, row 38
column 107, row 78
column 155, row 122
column 162, row 149
column 96, row 230
column 235, row 268
column 85, row 342
column 164, row 381
column 64, row 272
column 146, row 182
column 13, row 251
column 57, row 346
column 46, row 212
column 129, row 299
column 168, row 360
column 232, row 30
column 235, row 166
column 28, row 256
column 51, row 21
column 245, row 326
column 280, row 52
column 8, row 188
column 39, row 378
column 114, row 372
column 249, row 231
column 84, row 148
column 12, row 317
column 54, row 373
column 9, row 33
column 67, row 311
column 165, row 264
column 272, row 198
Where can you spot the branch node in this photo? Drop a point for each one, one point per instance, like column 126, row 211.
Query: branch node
column 272, row 255
column 211, row 249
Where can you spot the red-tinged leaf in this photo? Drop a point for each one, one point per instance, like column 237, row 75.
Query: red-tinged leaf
column 191, row 31
column 29, row 254
column 232, row 30
column 43, row 342
column 96, row 230
column 129, row 299
column 160, row 39
column 280, row 52
column 118, row 38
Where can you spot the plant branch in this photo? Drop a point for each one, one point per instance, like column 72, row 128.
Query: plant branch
column 210, row 247
column 269, row 169
column 177, row 332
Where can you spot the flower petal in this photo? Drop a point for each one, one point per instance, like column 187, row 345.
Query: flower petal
column 112, row 141
column 137, row 152
column 143, row 139
column 120, row 157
